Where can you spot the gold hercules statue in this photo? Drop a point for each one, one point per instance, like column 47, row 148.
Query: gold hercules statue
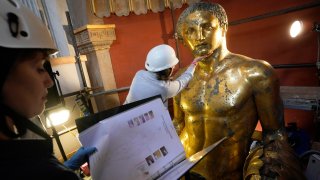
column 230, row 93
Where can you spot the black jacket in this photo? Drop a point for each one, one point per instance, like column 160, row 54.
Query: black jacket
column 31, row 159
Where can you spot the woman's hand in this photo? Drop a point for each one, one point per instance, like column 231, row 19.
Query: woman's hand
column 197, row 59
column 80, row 157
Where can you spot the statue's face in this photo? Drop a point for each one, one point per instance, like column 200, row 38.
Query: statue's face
column 201, row 33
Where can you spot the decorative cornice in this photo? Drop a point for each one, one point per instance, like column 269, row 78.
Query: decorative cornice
column 91, row 38
column 104, row 8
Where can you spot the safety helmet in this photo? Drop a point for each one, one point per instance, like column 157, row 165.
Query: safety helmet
column 20, row 28
column 160, row 58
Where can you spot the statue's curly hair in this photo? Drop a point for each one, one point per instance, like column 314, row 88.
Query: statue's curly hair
column 216, row 9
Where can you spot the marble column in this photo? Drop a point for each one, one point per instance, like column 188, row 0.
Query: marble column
column 94, row 41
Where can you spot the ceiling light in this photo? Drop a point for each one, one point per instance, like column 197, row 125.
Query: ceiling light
column 295, row 29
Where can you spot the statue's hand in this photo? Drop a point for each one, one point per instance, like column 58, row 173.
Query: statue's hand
column 280, row 161
column 275, row 160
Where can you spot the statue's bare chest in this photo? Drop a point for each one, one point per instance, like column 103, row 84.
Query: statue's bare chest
column 219, row 94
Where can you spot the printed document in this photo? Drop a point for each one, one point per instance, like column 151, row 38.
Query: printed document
column 139, row 143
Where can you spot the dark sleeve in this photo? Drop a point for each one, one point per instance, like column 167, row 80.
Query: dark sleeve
column 45, row 168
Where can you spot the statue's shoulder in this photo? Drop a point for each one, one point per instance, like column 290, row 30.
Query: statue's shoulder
column 256, row 70
column 249, row 62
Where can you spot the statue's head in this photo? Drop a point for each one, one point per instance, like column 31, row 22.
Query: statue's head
column 201, row 26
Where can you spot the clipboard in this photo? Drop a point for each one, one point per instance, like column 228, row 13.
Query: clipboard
column 130, row 147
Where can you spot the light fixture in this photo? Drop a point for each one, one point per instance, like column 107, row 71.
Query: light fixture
column 56, row 113
column 57, row 116
column 296, row 28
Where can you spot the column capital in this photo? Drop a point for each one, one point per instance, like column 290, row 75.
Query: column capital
column 90, row 38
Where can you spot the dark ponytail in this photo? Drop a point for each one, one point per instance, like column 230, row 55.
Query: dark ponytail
column 164, row 75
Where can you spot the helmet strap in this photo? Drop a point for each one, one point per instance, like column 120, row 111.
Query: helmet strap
column 21, row 123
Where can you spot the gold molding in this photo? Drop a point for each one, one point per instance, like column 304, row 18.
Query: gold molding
column 66, row 60
column 94, row 26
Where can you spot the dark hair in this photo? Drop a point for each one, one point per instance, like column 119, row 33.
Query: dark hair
column 164, row 75
column 11, row 57
column 214, row 8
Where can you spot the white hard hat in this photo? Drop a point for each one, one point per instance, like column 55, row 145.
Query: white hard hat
column 20, row 28
column 160, row 58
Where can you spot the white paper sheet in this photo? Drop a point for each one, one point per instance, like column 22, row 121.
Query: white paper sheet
column 139, row 144
column 180, row 169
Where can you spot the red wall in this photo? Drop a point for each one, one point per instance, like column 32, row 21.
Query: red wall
column 266, row 39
